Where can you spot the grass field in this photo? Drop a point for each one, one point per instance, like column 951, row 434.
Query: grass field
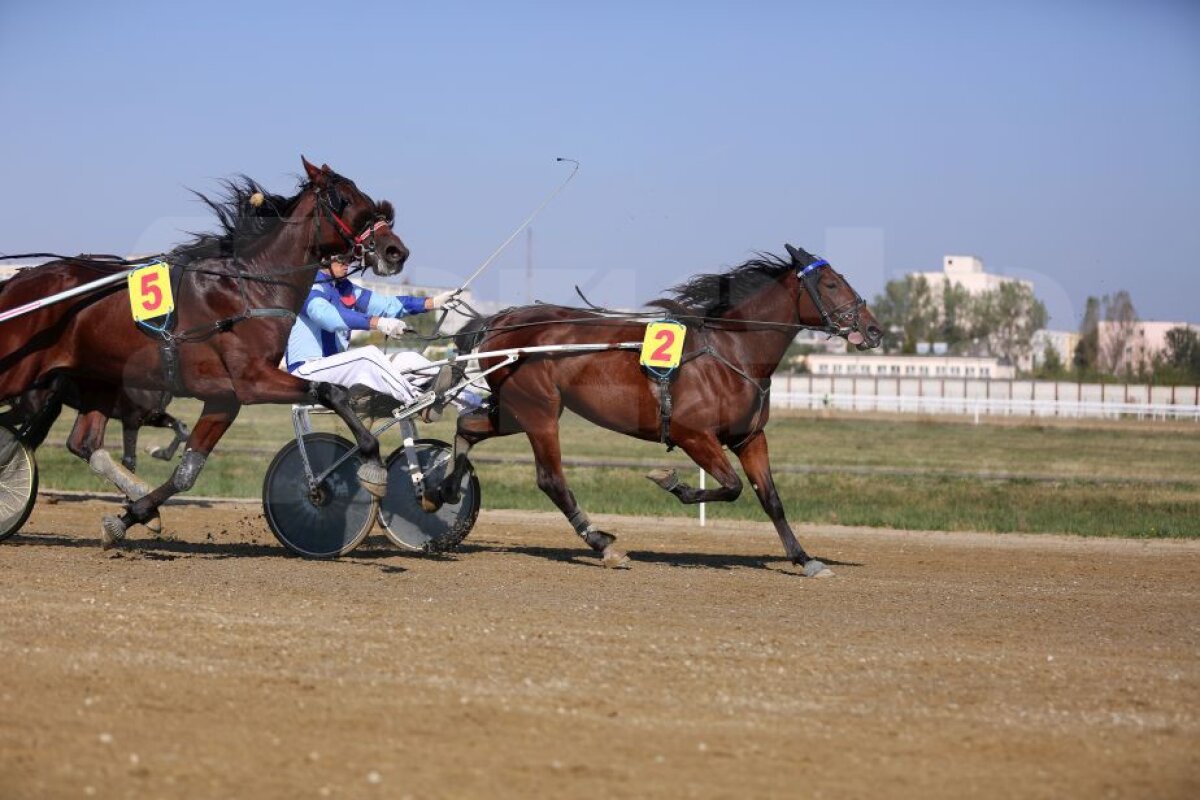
column 1134, row 479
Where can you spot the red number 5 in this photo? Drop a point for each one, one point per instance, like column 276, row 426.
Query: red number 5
column 663, row 353
column 152, row 296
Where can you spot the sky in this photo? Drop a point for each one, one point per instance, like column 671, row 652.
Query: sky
column 1057, row 140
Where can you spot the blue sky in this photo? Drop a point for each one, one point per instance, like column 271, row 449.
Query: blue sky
column 1057, row 140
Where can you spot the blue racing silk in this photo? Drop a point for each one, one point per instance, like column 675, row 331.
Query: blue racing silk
column 335, row 308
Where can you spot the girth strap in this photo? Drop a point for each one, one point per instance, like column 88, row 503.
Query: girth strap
column 664, row 412
column 168, row 350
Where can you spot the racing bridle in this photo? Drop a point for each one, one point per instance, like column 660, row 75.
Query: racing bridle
column 841, row 320
column 361, row 247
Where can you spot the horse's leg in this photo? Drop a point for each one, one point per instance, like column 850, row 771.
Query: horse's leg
column 708, row 453
column 215, row 418
column 159, row 418
column 267, row 384
column 543, row 438
column 87, row 442
column 757, row 464
column 181, row 435
column 473, row 427
column 35, row 414
column 129, row 439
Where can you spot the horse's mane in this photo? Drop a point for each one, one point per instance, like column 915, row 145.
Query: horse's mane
column 714, row 294
column 242, row 221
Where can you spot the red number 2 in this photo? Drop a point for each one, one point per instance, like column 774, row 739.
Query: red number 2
column 663, row 353
column 152, row 296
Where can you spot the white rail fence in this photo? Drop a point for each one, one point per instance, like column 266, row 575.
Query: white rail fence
column 986, row 398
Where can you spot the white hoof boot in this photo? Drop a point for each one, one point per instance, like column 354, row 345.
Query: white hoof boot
column 112, row 531
column 373, row 478
column 815, row 569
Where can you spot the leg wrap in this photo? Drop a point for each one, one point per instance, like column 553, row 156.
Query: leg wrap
column 103, row 465
column 580, row 522
column 184, row 476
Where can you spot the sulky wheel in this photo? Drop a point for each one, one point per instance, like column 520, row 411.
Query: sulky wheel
column 403, row 519
column 18, row 482
column 325, row 522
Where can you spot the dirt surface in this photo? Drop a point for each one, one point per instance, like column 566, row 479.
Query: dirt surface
column 211, row 664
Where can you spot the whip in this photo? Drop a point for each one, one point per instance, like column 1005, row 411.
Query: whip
column 487, row 262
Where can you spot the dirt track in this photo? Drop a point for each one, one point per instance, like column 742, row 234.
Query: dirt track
column 933, row 665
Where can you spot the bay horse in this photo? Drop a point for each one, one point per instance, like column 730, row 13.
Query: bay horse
column 236, row 300
column 738, row 327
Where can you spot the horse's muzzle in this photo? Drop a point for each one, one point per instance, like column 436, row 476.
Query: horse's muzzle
column 390, row 261
column 872, row 338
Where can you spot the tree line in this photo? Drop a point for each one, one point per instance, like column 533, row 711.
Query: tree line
column 1001, row 323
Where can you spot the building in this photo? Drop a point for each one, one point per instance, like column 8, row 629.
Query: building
column 967, row 272
column 895, row 366
column 1133, row 347
column 1062, row 342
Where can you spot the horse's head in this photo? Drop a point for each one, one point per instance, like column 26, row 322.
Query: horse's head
column 356, row 225
column 832, row 304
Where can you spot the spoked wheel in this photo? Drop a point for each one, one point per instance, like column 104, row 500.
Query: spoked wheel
column 18, row 482
column 325, row 522
column 406, row 523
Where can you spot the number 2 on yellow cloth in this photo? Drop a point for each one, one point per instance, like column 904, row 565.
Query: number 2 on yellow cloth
column 662, row 346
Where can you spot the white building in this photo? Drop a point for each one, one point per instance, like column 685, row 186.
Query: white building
column 967, row 272
column 889, row 366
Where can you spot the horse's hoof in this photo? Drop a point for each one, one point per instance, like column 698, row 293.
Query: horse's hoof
column 816, row 569
column 666, row 478
column 429, row 504
column 614, row 558
column 112, row 531
column 154, row 524
column 159, row 453
column 373, row 478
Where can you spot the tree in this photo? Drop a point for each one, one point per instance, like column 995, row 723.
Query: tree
column 1122, row 319
column 957, row 317
column 1006, row 319
column 905, row 309
column 1183, row 351
column 1087, row 352
column 1052, row 365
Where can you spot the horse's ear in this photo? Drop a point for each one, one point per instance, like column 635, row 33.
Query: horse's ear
column 314, row 174
column 799, row 255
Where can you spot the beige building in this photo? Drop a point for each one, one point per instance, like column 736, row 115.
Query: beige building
column 1133, row 347
column 889, row 366
column 1062, row 342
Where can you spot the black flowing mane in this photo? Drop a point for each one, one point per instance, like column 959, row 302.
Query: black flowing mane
column 714, row 294
column 242, row 222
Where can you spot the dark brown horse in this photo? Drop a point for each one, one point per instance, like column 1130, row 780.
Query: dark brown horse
column 235, row 301
column 739, row 325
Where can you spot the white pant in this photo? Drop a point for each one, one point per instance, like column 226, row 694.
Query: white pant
column 369, row 367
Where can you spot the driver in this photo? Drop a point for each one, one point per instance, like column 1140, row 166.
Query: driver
column 317, row 348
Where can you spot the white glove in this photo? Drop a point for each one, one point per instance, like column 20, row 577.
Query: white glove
column 439, row 300
column 391, row 328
